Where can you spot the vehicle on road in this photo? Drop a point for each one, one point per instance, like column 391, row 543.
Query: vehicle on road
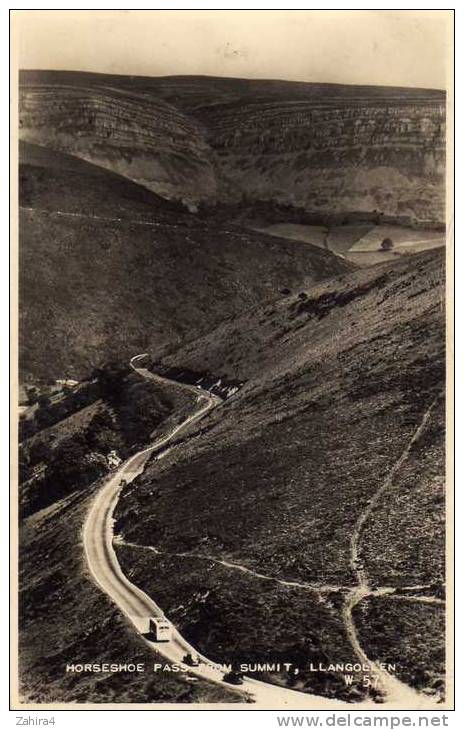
column 160, row 629
column 191, row 660
column 233, row 678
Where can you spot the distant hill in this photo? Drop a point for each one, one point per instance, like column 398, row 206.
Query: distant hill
column 336, row 380
column 326, row 148
column 88, row 628
column 108, row 269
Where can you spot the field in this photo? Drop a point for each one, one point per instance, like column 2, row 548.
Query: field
column 308, row 234
column 406, row 241
column 361, row 244
column 403, row 238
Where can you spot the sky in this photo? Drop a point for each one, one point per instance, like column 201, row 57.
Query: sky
column 385, row 47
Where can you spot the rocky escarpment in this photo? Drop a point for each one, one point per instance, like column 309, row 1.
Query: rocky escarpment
column 333, row 157
column 147, row 141
column 328, row 149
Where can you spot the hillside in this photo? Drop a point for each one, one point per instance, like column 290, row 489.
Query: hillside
column 64, row 618
column 108, row 269
column 234, row 230
column 248, row 547
column 45, row 176
column 326, row 148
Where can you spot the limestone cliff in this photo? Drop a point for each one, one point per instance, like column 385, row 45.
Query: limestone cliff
column 147, row 141
column 328, row 149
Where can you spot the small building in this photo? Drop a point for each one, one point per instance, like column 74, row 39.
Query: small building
column 68, row 383
column 113, row 460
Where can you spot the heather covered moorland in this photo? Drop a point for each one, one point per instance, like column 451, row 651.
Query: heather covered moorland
column 275, row 251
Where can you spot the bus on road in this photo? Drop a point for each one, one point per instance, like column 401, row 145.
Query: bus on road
column 160, row 629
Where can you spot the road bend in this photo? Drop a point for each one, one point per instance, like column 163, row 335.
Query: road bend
column 136, row 605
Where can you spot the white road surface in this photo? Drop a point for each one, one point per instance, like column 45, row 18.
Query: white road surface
column 136, row 605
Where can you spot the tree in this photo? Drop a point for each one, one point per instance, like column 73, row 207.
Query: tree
column 111, row 379
column 43, row 401
column 39, row 452
column 387, row 244
column 71, row 466
column 23, row 464
column 102, row 434
column 27, row 427
column 44, row 414
column 32, row 394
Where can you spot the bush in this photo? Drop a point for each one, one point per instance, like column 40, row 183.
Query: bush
column 32, row 394
column 43, row 401
column 387, row 244
column 111, row 380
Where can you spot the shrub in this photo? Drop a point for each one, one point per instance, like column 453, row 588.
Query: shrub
column 111, row 380
column 32, row 394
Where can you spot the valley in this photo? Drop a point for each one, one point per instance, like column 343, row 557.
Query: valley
column 114, row 254
column 232, row 388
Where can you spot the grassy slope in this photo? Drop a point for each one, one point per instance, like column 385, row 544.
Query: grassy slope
column 400, row 548
column 276, row 478
column 410, row 634
column 190, row 91
column 92, row 190
column 64, row 618
column 120, row 287
column 234, row 617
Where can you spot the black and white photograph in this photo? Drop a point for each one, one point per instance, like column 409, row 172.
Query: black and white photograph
column 233, row 235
